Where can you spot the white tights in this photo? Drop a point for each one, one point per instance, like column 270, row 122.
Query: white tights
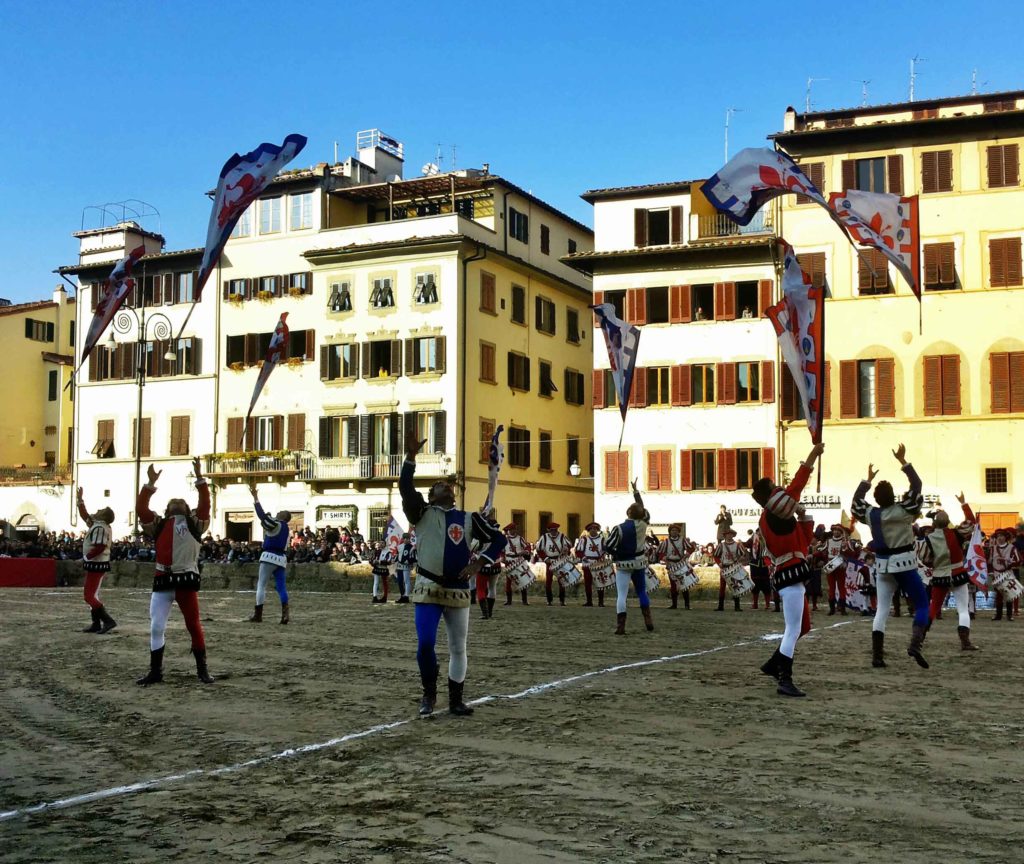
column 792, row 598
column 456, row 623
column 962, row 597
column 378, row 587
column 886, row 586
column 160, row 603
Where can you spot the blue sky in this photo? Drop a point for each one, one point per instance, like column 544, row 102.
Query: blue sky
column 105, row 101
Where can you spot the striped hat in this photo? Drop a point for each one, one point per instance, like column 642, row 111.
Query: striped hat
column 781, row 504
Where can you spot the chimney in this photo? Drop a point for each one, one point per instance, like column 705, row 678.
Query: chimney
column 384, row 154
column 60, row 295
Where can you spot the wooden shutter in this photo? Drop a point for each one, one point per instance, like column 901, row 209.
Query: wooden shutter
column 296, row 431
column 250, row 434
column 679, row 304
column 726, row 473
column 396, row 357
column 685, row 470
column 310, row 344
column 1011, row 164
column 440, row 431
column 442, row 354
column 767, row 380
column 999, row 370
column 175, row 448
column 638, row 395
column 815, row 172
column 894, row 180
column 234, row 434
column 639, row 227
column 951, row 384
column 278, row 427
column 226, row 289
column 726, row 375
column 636, row 305
column 768, row 463
column 675, row 215
column 720, row 301
column 1012, row 248
column 145, row 444
column 365, row 435
column 730, row 301
column 653, row 470
column 847, row 388
column 1017, row 381
column 929, row 177
column 352, row 440
column 680, row 385
column 598, row 388
column 788, row 396
column 324, row 441
column 996, row 166
column 598, row 300
column 611, row 472
column 944, row 170
column 931, row 264
column 764, row 296
column 410, row 356
column 885, row 387
column 849, row 174
column 250, row 354
column 394, row 433
column 325, row 361
column 932, row 386
column 828, row 390
column 184, row 432
column 168, row 291
column 364, row 365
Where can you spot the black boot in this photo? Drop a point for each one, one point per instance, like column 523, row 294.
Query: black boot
column 600, row 597
column 107, row 622
column 831, row 606
column 525, row 594
column 202, row 673
column 675, row 600
column 490, row 607
column 95, row 626
column 455, row 704
column 786, row 686
column 916, row 643
column 156, row 669
column 550, row 596
column 771, row 668
column 483, row 610
column 842, row 607
column 686, row 599
column 999, row 612
column 736, row 604
column 620, row 624
column 897, row 603
column 429, row 692
column 286, row 612
column 1009, row 611
column 878, row 649
column 648, row 621
column 508, row 596
column 257, row 613
column 561, row 596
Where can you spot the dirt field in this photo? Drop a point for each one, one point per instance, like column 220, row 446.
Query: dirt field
column 691, row 760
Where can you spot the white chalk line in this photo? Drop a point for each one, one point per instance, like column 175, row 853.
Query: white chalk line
column 143, row 785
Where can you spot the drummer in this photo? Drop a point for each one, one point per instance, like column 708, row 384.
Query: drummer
column 590, row 550
column 517, row 551
column 729, row 555
column 674, row 552
column 759, row 572
column 552, row 546
column 837, row 550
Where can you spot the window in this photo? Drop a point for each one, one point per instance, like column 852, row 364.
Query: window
column 748, row 468
column 518, row 304
column 235, row 288
column 426, row 289
column 1004, row 267
column 748, row 382
column 300, row 209
column 870, row 174
column 339, row 436
column 545, row 317
column 183, row 287
column 518, row 225
column 382, row 296
column 382, row 359
column 339, row 362
column 872, row 273
column 656, row 227
column 747, row 299
column 572, row 326
column 616, row 471
column 186, row 357
column 270, row 215
column 618, row 302
column 142, row 444
column 71, row 335
column 703, row 469
column 426, row 355
column 104, row 448
column 572, row 246
column 269, row 286
column 518, row 371
column 545, row 239
column 813, row 264
column 486, row 434
column 815, row 172
column 702, row 384
column 1007, row 382
column 996, row 481
column 300, row 344
column 703, row 300
column 867, row 388
column 937, row 171
column 547, row 386
column 658, row 385
column 659, row 470
column 574, row 387
column 791, row 405
column 572, row 452
column 340, row 299
column 519, row 447
column 488, row 366
column 51, row 394
column 488, row 301
column 544, row 450
column 465, row 207
column 432, row 427
column 544, row 518
column 243, row 227
column 519, row 520
column 1003, row 165
column 939, row 269
column 265, row 439
column 180, row 435
column 299, row 283
column 235, row 351
column 942, row 385
column 657, row 305
column 38, row 331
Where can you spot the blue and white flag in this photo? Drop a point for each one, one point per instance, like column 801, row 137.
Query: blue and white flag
column 241, row 181
column 495, row 458
column 623, row 343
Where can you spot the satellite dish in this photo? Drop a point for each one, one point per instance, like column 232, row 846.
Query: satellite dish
column 430, row 169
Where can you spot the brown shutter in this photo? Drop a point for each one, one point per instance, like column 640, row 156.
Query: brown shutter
column 1013, row 261
column 598, row 388
column 999, row 370
column 364, row 365
column 764, row 296
column 679, row 304
column 184, row 433
column 929, row 172
column 639, row 227
column 296, row 431
column 895, row 172
column 944, row 169
column 685, row 470
column 847, row 388
column 947, row 264
column 234, row 434
column 997, row 263
column 828, row 390
column 730, row 301
column 726, row 473
column 169, row 297
column 251, row 348
column 720, row 301
column 931, row 264
column 932, row 386
column 410, row 356
column 250, row 434
column 885, row 387
column 278, row 426
column 1011, row 164
column 396, row 356
column 636, row 305
column 325, row 361
column 768, row 463
column 310, row 344
column 951, row 384
column 864, row 281
column 638, row 395
column 611, row 474
column 727, row 383
column 787, row 395
column 1017, row 382
column 442, row 354
column 720, row 470
column 598, row 300
column 653, row 470
column 226, row 289
column 675, row 215
column 768, row 381
column 680, row 385
column 175, row 436
column 996, row 170
column 849, row 174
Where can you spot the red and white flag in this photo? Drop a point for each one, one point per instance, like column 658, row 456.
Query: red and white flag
column 115, row 290
column 276, row 352
column 975, row 562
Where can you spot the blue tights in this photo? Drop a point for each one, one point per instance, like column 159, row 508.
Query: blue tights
column 428, row 618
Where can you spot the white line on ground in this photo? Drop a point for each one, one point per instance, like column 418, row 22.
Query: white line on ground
column 143, row 785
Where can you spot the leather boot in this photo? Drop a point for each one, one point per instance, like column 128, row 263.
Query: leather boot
column 1009, row 611
column 156, row 669
column 831, row 606
column 786, row 686
column 508, row 596
column 285, row 616
column 526, row 597
column 202, row 673
column 675, row 600
column 550, row 596
column 897, row 604
column 965, row 639
column 483, row 610
column 257, row 613
column 620, row 624
column 600, row 597
column 429, row 692
column 106, row 621
column 878, row 649
column 686, row 599
column 561, row 596
column 648, row 620
column 999, row 611
column 842, row 607
column 736, row 604
column 771, row 668
column 455, row 704
column 490, row 607
column 95, row 626
column 917, row 634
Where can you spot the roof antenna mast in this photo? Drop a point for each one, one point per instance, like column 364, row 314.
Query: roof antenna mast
column 807, row 100
column 913, row 73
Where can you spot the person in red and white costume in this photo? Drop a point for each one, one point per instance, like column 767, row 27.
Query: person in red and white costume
column 674, row 550
column 590, row 549
column 516, row 549
column 1002, row 559
column 727, row 553
column 551, row 546
column 96, row 562
column 837, row 547
column 943, row 552
column 176, row 535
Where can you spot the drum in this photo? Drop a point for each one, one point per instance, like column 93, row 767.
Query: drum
column 603, row 573
column 1012, row 589
column 566, row 571
column 737, row 579
column 519, row 572
column 835, row 563
column 682, row 575
column 653, row 583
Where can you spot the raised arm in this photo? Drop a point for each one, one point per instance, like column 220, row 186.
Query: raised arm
column 82, row 511
column 413, row 503
column 803, row 473
column 270, row 525
column 147, row 518
column 492, row 540
column 203, row 510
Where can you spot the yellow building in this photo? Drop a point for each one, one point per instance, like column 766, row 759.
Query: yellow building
column 954, row 393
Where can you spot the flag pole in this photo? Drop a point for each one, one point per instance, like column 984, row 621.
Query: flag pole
column 622, row 432
column 189, row 315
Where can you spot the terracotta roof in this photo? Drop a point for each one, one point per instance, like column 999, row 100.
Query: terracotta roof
column 18, row 308
column 160, row 256
column 995, row 120
column 592, row 195
column 916, row 105
column 584, row 261
column 59, row 359
column 135, row 228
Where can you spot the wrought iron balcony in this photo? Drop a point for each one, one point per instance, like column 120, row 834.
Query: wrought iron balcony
column 304, row 466
column 721, row 226
column 41, row 475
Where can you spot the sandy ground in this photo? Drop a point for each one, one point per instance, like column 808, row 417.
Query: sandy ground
column 692, row 760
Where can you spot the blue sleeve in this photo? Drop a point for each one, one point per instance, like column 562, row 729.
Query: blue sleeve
column 492, row 539
column 413, row 504
column 269, row 524
column 912, row 500
column 860, row 507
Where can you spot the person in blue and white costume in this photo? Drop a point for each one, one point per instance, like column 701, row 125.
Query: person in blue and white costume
column 626, row 543
column 443, row 573
column 406, row 561
column 892, row 538
column 272, row 559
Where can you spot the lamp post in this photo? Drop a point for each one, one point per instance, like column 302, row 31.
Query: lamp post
column 127, row 320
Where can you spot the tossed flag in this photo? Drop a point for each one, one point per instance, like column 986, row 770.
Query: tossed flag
column 276, row 352
column 753, row 177
column 495, row 458
column 241, row 181
column 623, row 343
column 974, row 561
column 392, row 539
column 799, row 321
column 117, row 287
column 886, row 222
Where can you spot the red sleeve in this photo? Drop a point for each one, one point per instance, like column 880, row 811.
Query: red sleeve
column 146, row 516
column 203, row 511
column 95, row 549
column 84, row 513
column 796, row 485
column 969, row 513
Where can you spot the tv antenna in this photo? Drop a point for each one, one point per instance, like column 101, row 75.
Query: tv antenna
column 913, row 73
column 807, row 100
column 863, row 92
column 728, row 114
column 974, row 82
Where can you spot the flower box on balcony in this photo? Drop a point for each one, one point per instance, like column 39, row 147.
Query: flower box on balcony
column 296, row 292
column 237, row 366
column 265, row 296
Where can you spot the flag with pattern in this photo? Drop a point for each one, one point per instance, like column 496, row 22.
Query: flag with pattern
column 623, row 342
column 115, row 291
column 277, row 351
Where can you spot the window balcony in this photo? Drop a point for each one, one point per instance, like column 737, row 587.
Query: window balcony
column 311, row 469
column 719, row 226
column 42, row 475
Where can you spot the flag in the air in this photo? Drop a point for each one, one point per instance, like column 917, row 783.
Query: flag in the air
column 886, row 222
column 623, row 343
column 799, row 321
column 276, row 352
column 753, row 177
column 392, row 539
column 495, row 458
column 241, row 181
column 116, row 289
column 974, row 561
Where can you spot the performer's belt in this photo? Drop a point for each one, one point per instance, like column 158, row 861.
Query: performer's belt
column 455, row 581
column 897, row 550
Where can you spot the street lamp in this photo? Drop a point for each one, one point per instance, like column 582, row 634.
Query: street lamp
column 575, row 469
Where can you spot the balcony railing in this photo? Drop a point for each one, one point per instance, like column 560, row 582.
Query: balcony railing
column 303, row 466
column 20, row 475
column 720, row 225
